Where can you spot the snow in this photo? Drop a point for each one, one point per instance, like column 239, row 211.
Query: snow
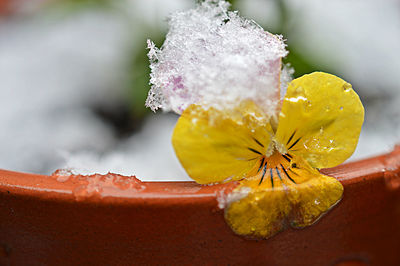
column 148, row 155
column 217, row 58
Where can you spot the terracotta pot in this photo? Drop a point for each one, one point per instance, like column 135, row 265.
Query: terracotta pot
column 117, row 220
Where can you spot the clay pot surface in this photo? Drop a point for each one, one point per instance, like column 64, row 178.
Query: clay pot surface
column 116, row 220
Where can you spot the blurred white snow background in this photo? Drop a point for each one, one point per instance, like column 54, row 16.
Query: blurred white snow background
column 55, row 68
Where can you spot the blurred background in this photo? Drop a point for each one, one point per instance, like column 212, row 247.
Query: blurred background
column 74, row 77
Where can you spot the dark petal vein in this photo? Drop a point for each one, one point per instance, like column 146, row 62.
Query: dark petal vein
column 291, row 137
column 291, row 179
column 259, row 143
column 272, row 177
column 262, row 177
column 253, row 150
column 294, row 144
column 279, row 174
column 287, row 158
column 261, row 165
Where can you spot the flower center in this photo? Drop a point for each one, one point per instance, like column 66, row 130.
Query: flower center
column 275, row 147
column 274, row 168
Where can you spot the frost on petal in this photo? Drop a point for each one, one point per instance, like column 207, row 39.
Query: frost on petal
column 286, row 77
column 214, row 57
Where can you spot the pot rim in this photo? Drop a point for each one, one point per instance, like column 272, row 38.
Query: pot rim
column 115, row 188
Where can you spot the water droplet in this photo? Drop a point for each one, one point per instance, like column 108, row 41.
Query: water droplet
column 346, row 87
column 341, row 108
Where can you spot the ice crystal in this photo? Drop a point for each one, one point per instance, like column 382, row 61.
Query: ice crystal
column 214, row 57
column 285, row 78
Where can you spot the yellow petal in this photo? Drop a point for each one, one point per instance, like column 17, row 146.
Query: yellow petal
column 312, row 199
column 320, row 119
column 260, row 214
column 215, row 146
column 281, row 194
column 311, row 195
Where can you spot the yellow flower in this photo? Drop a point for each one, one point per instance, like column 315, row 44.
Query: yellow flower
column 276, row 160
